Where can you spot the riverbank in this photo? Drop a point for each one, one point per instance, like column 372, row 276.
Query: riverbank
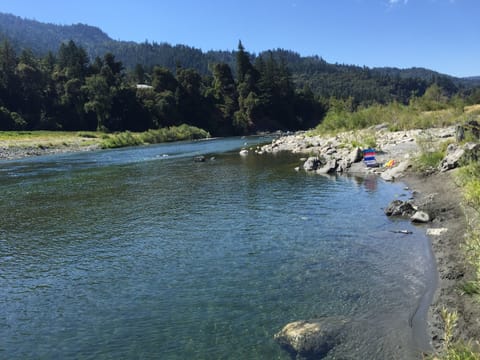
column 21, row 144
column 434, row 191
column 18, row 145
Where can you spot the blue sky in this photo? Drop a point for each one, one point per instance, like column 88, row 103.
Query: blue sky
column 441, row 35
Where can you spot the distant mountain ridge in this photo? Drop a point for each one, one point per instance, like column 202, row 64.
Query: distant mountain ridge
column 323, row 78
column 43, row 37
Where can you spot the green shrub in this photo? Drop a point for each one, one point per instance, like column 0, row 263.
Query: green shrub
column 173, row 133
column 469, row 178
column 431, row 153
column 396, row 116
column 470, row 288
column 121, row 140
column 453, row 350
column 11, row 120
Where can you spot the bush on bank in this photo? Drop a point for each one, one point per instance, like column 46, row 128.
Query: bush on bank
column 173, row 133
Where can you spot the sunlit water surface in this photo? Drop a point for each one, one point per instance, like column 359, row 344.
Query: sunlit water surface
column 144, row 253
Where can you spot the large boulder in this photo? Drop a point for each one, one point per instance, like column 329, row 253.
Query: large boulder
column 457, row 155
column 346, row 161
column 312, row 163
column 311, row 339
column 400, row 208
column 328, row 168
column 453, row 158
column 355, row 156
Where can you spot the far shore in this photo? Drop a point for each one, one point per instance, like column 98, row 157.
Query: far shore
column 19, row 145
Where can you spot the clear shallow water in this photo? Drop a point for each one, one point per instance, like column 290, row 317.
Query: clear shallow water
column 135, row 254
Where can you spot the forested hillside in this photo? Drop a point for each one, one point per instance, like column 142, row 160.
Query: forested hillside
column 77, row 78
column 66, row 91
column 326, row 80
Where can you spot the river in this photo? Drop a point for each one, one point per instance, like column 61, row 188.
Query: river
column 144, row 253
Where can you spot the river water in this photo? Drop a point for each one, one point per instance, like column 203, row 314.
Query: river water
column 144, row 253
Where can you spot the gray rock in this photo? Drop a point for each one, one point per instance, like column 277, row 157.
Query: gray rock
column 399, row 208
column 311, row 339
column 355, row 156
column 396, row 172
column 458, row 155
column 452, row 160
column 420, row 217
column 381, row 127
column 199, row 158
column 328, row 168
column 343, row 165
column 330, row 151
column 312, row 163
column 472, row 151
column 436, row 231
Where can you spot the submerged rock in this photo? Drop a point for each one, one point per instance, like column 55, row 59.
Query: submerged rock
column 199, row 158
column 311, row 339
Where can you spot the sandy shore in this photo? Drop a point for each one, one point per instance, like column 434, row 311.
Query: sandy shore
column 436, row 193
column 444, row 201
column 23, row 151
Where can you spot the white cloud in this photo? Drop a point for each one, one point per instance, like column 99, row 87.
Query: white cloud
column 394, row 2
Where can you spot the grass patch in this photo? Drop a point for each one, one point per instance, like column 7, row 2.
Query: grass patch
column 122, row 139
column 51, row 139
column 470, row 288
column 469, row 179
column 363, row 139
column 46, row 139
column 453, row 350
column 395, row 116
column 173, row 133
column 431, row 153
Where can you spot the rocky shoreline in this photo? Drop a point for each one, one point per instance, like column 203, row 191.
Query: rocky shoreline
column 435, row 194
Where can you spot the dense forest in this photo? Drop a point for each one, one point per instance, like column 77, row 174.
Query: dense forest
column 77, row 78
column 364, row 84
column 67, row 91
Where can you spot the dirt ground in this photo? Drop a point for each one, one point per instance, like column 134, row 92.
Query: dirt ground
column 441, row 198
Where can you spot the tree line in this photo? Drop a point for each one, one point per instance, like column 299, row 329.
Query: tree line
column 67, row 91
column 365, row 85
